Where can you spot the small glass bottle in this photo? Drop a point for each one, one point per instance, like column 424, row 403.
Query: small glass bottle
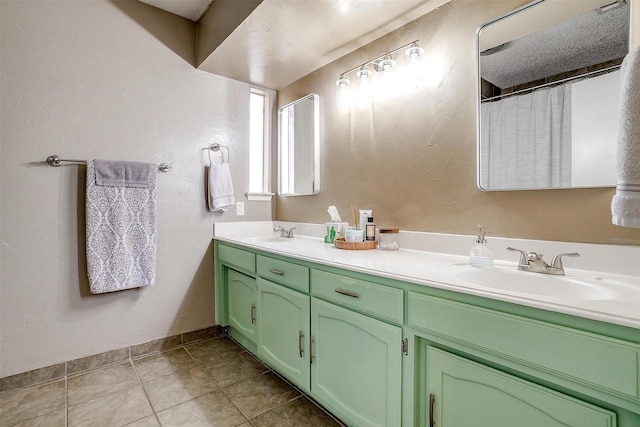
column 370, row 230
column 481, row 255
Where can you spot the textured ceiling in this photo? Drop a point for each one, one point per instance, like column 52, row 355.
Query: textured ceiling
column 190, row 9
column 590, row 38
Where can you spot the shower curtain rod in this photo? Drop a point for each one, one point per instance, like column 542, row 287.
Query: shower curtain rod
column 55, row 161
column 555, row 82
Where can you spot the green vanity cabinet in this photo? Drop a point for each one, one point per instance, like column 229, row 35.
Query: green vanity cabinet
column 283, row 331
column 350, row 363
column 341, row 344
column 356, row 367
column 592, row 364
column 377, row 351
column 242, row 307
column 461, row 393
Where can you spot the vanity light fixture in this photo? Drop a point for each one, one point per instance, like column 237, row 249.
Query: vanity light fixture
column 382, row 64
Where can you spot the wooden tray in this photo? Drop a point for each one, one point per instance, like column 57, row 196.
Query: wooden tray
column 340, row 243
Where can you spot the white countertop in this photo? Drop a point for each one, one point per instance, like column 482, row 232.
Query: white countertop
column 611, row 284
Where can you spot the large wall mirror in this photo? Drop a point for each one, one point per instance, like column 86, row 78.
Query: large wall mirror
column 549, row 93
column 299, row 147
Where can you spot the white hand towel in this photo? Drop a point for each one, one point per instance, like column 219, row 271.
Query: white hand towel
column 220, row 187
column 625, row 206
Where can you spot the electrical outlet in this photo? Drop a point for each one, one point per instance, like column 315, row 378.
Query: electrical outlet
column 240, row 208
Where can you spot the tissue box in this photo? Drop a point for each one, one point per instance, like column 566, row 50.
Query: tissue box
column 335, row 230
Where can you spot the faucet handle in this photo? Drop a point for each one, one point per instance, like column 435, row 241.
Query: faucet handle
column 557, row 260
column 524, row 258
column 290, row 232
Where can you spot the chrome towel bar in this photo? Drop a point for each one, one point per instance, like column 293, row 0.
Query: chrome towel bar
column 55, row 161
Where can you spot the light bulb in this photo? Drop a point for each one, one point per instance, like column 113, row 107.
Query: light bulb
column 386, row 64
column 414, row 53
column 385, row 85
column 364, row 94
column 343, row 90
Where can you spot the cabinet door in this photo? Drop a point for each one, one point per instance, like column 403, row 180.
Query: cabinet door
column 283, row 331
column 356, row 366
column 461, row 393
column 241, row 291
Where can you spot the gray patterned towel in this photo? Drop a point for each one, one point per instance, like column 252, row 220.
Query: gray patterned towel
column 121, row 227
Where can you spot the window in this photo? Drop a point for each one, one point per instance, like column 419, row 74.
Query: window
column 259, row 114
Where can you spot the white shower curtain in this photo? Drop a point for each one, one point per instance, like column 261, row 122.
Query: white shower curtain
column 526, row 140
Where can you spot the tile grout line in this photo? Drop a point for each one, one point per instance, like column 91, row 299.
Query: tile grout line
column 269, row 369
column 302, row 394
column 242, row 350
column 216, row 383
column 177, row 404
column 144, row 390
column 197, row 364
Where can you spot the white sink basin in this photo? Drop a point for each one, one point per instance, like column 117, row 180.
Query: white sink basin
column 267, row 239
column 510, row 279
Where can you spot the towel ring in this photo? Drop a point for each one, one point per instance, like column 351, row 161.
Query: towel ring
column 218, row 147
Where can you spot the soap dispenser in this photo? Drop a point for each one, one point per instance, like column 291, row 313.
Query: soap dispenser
column 481, row 254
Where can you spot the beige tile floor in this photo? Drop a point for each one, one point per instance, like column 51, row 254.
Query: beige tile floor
column 210, row 383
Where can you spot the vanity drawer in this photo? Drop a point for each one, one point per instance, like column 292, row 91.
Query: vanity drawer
column 380, row 301
column 606, row 364
column 285, row 273
column 237, row 258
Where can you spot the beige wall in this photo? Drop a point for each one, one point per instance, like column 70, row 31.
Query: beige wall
column 222, row 17
column 413, row 159
column 98, row 79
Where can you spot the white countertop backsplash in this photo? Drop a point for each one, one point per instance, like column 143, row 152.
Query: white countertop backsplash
column 425, row 257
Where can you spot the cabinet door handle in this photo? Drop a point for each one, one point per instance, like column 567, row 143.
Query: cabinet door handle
column 253, row 313
column 347, row 293
column 432, row 401
column 310, row 350
column 300, row 338
column 278, row 272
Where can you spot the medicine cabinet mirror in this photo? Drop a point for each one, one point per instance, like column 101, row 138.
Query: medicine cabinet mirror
column 548, row 79
column 299, row 147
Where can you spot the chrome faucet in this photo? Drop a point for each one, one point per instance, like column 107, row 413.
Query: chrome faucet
column 284, row 232
column 533, row 262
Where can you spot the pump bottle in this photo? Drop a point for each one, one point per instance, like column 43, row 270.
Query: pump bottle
column 481, row 254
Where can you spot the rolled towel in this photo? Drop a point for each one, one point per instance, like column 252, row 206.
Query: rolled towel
column 625, row 206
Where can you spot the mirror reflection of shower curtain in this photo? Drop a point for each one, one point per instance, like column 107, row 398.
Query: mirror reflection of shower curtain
column 526, row 140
